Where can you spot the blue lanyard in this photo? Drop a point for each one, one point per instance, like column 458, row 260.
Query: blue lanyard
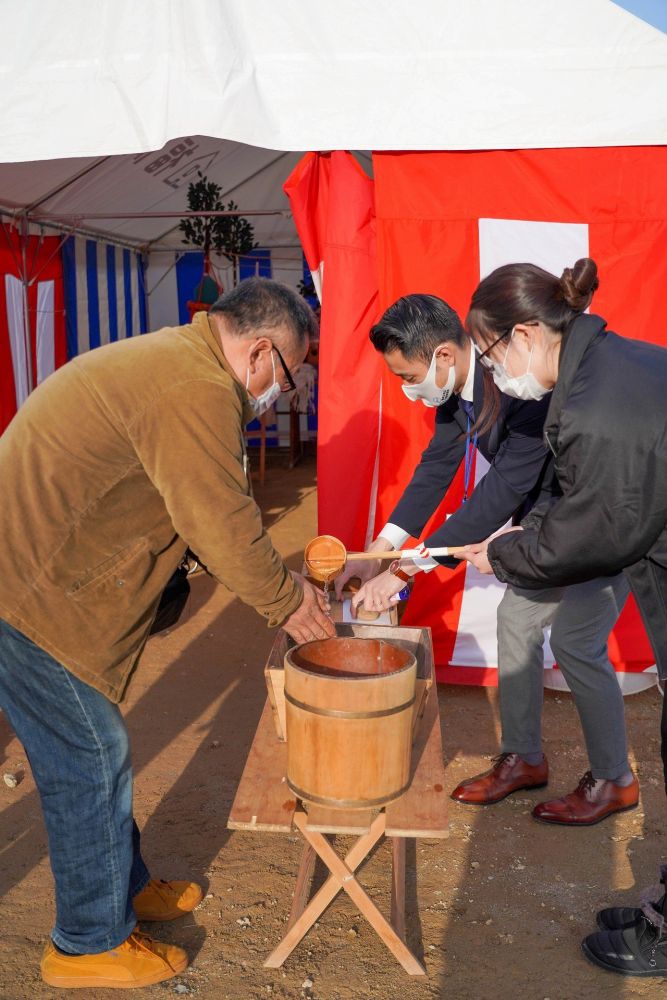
column 471, row 445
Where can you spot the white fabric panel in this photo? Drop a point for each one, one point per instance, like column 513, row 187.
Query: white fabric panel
column 552, row 245
column 134, row 292
column 17, row 337
column 120, row 294
column 318, row 279
column 437, row 74
column 46, row 347
column 81, row 296
column 162, row 291
column 630, row 682
column 102, row 293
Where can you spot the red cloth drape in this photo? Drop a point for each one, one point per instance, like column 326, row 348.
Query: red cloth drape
column 428, row 208
column 333, row 206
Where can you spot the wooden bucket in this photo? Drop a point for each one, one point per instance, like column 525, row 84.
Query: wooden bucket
column 349, row 705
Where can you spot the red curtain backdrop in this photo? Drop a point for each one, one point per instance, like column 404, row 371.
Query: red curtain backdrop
column 42, row 263
column 333, row 206
column 428, row 207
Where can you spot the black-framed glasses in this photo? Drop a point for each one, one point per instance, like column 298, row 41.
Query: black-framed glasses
column 288, row 375
column 482, row 355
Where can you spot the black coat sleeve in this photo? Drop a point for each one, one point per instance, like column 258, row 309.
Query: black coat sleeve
column 516, row 468
column 600, row 525
column 433, row 476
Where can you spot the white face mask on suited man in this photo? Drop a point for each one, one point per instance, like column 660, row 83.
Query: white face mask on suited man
column 428, row 390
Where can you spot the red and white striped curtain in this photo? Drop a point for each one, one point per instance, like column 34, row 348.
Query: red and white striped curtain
column 32, row 319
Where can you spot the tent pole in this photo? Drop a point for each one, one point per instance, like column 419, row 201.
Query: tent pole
column 93, row 234
column 40, row 217
column 46, row 263
column 26, row 312
column 17, row 262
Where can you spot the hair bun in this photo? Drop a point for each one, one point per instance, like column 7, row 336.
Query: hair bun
column 578, row 283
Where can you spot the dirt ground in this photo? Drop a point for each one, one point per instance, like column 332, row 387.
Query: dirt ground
column 503, row 903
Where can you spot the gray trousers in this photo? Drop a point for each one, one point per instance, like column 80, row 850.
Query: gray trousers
column 581, row 618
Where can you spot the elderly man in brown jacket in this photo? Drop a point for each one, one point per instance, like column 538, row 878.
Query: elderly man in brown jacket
column 115, row 465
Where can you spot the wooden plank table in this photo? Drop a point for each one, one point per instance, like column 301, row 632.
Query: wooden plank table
column 265, row 803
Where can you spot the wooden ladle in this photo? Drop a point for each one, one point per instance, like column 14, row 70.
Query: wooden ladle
column 325, row 556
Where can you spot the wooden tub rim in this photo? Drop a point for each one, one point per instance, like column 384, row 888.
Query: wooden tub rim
column 412, row 663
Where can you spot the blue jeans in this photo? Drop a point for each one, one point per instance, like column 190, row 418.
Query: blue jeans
column 79, row 753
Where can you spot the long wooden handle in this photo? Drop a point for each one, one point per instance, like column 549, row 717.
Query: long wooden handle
column 453, row 550
column 372, row 555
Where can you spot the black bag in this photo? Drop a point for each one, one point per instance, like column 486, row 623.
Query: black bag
column 174, row 598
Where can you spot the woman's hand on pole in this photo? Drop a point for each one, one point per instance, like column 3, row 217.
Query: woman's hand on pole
column 477, row 554
column 477, row 557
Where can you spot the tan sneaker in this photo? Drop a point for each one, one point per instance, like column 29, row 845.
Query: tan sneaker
column 162, row 900
column 138, row 961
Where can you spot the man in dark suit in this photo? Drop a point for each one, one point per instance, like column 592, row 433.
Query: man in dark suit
column 424, row 344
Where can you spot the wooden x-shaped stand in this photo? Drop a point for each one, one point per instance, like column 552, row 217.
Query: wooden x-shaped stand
column 264, row 803
column 342, row 877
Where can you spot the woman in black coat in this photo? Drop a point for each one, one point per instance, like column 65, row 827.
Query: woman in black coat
column 607, row 428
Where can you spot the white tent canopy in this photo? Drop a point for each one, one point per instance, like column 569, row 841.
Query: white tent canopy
column 88, row 79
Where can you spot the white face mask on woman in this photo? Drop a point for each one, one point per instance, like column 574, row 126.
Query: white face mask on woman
column 266, row 399
column 524, row 386
column 429, row 391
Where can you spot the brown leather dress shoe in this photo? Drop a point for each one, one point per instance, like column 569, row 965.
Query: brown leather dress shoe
column 508, row 774
column 589, row 803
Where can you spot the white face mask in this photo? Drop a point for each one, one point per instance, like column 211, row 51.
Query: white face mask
column 429, row 391
column 266, row 399
column 524, row 386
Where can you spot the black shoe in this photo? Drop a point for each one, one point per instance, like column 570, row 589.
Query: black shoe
column 639, row 950
column 618, row 918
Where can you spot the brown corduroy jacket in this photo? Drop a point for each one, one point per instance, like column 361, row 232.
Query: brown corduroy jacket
column 111, row 468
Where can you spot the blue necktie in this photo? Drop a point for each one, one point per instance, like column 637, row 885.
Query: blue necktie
column 468, row 409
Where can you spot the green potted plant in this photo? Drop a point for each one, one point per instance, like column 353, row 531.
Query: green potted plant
column 228, row 235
